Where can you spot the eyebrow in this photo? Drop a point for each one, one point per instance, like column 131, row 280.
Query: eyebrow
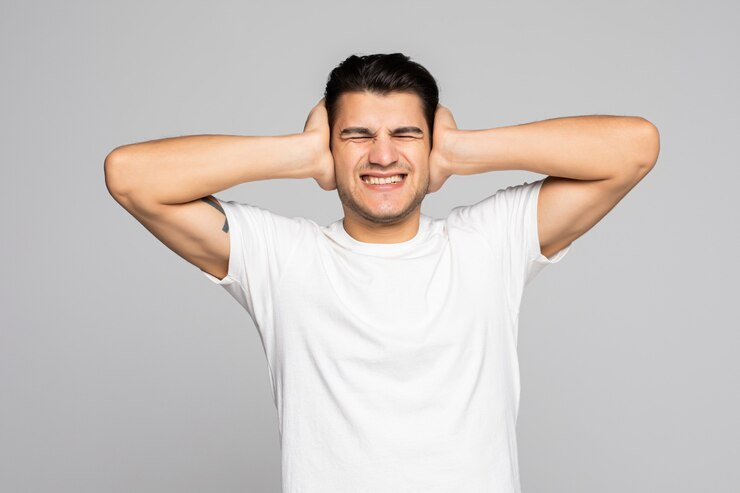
column 366, row 131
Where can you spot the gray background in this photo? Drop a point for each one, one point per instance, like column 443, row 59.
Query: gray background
column 122, row 368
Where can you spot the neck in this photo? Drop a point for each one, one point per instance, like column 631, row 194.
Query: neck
column 371, row 232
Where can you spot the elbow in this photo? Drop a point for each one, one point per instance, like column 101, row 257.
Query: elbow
column 114, row 170
column 648, row 144
column 643, row 146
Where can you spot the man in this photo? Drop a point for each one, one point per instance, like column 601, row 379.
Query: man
column 390, row 335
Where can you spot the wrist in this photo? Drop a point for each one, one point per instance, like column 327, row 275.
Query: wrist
column 306, row 151
column 319, row 152
column 453, row 151
column 478, row 151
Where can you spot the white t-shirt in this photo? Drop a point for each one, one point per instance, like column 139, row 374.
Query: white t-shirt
column 393, row 366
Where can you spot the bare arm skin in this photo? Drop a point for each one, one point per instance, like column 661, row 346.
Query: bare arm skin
column 178, row 170
column 167, row 184
column 593, row 162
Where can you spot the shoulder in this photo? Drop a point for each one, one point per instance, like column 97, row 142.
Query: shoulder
column 499, row 205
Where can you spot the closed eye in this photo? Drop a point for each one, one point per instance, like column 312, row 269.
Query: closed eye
column 399, row 136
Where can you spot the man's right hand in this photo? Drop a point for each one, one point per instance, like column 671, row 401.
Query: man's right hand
column 317, row 125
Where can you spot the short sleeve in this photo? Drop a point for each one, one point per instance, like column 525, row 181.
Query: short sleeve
column 261, row 245
column 508, row 220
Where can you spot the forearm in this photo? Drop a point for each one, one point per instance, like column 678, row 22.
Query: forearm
column 182, row 169
column 581, row 147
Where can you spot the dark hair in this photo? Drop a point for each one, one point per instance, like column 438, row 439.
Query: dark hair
column 382, row 74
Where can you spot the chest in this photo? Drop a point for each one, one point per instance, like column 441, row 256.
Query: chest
column 402, row 297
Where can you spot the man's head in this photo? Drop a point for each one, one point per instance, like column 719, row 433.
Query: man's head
column 381, row 116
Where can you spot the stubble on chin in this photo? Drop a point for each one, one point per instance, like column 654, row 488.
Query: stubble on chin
column 349, row 201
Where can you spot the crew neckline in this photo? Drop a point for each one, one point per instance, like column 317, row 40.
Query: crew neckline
column 382, row 248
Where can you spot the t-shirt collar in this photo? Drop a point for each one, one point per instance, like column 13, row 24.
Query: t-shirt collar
column 341, row 236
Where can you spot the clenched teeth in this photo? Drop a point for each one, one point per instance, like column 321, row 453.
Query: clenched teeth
column 373, row 180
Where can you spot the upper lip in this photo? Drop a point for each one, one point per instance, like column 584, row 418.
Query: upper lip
column 382, row 175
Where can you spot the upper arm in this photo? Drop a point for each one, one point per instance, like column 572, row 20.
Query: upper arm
column 567, row 208
column 197, row 231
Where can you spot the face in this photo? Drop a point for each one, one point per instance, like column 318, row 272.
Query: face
column 381, row 135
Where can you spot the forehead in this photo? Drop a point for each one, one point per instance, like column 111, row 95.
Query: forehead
column 375, row 110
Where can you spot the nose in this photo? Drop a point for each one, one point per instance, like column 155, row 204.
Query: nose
column 383, row 151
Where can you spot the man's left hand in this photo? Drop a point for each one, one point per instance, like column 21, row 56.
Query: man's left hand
column 440, row 157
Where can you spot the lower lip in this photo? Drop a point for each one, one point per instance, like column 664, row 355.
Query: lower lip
column 385, row 186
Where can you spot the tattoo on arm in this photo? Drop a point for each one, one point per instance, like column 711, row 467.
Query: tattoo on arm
column 217, row 206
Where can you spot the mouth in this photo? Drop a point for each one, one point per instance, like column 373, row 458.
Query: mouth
column 384, row 183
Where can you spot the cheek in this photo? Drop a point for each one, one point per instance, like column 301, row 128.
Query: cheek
column 346, row 161
column 421, row 164
column 343, row 172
